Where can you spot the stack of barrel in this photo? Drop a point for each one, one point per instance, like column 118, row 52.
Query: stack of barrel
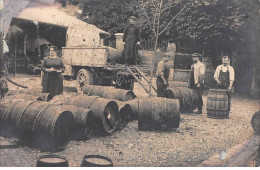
column 217, row 104
column 187, row 97
column 38, row 123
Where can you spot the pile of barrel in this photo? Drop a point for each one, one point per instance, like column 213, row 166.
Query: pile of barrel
column 49, row 122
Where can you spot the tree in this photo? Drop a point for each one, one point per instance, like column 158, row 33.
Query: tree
column 159, row 16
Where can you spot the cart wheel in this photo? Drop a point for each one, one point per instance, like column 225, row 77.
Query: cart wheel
column 83, row 77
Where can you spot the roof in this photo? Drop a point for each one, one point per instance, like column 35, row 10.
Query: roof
column 54, row 16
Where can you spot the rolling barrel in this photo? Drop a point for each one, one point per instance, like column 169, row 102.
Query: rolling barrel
column 108, row 92
column 96, row 161
column 60, row 99
column 158, row 112
column 52, row 161
column 83, row 121
column 188, row 97
column 134, row 104
column 39, row 123
column 105, row 111
column 124, row 111
column 217, row 104
column 255, row 121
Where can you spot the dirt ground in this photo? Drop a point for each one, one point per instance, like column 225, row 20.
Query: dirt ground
column 197, row 138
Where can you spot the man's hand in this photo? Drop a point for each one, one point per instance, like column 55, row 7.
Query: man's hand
column 58, row 71
column 229, row 89
column 219, row 82
column 138, row 43
column 198, row 85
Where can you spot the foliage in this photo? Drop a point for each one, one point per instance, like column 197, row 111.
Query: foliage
column 209, row 26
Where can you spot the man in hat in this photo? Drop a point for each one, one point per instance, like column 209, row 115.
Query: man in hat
column 225, row 76
column 162, row 75
column 131, row 38
column 197, row 76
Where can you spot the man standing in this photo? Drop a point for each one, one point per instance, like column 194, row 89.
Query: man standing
column 131, row 37
column 225, row 76
column 197, row 76
column 162, row 75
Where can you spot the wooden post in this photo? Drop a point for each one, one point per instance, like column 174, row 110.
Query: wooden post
column 15, row 54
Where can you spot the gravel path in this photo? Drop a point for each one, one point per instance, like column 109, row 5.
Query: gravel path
column 197, row 139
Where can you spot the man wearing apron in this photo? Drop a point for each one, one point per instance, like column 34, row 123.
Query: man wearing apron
column 197, row 76
column 162, row 75
column 225, row 76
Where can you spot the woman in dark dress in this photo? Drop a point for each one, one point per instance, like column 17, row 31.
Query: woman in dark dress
column 52, row 67
column 131, row 37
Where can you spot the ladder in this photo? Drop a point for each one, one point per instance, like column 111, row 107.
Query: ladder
column 137, row 74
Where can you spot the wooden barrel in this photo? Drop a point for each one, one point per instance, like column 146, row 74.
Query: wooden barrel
column 105, row 111
column 124, row 111
column 41, row 124
column 108, row 92
column 188, row 97
column 134, row 109
column 96, row 161
column 83, row 121
column 173, row 84
column 181, row 75
column 52, row 161
column 61, row 99
column 217, row 104
column 255, row 121
column 158, row 112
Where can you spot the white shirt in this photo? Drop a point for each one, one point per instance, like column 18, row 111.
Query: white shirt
column 199, row 69
column 224, row 69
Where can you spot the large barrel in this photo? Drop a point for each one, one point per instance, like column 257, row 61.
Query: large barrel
column 173, row 84
column 134, row 109
column 96, row 161
column 61, row 99
column 217, row 104
column 255, row 121
column 125, row 112
column 108, row 92
column 39, row 123
column 188, row 97
column 105, row 112
column 181, row 75
column 40, row 96
column 83, row 121
column 158, row 112
column 52, row 161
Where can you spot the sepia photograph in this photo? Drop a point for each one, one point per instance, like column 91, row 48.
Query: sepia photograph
column 130, row 83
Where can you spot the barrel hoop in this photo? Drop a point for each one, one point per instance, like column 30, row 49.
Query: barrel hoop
column 92, row 101
column 217, row 110
column 217, row 99
column 89, row 90
column 181, row 94
column 40, row 114
column 53, row 123
column 19, row 119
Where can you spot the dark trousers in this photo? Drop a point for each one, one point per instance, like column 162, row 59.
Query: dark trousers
column 228, row 95
column 161, row 88
column 199, row 90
